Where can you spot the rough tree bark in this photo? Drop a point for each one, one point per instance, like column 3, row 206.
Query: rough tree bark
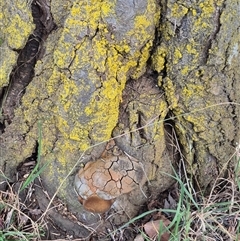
column 88, row 71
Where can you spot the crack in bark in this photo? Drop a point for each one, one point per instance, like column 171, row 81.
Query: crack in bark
column 211, row 37
column 23, row 73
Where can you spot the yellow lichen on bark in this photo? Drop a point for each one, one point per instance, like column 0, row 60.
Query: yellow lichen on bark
column 158, row 58
column 178, row 10
column 177, row 55
column 15, row 29
column 80, row 92
column 78, row 82
column 171, row 93
column 194, row 69
column 193, row 90
column 7, row 61
column 103, row 56
column 208, row 8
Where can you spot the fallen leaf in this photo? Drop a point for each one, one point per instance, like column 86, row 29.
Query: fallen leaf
column 139, row 237
column 152, row 228
column 166, row 204
column 172, row 202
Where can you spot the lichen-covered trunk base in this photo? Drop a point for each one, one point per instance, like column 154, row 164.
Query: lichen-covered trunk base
column 102, row 72
column 199, row 61
column 89, row 85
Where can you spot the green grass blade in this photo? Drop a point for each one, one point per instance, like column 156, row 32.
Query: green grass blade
column 36, row 171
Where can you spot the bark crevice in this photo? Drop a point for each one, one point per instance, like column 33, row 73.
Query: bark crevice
column 212, row 36
column 23, row 72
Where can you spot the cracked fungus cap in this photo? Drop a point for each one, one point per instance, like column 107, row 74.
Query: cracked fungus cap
column 103, row 180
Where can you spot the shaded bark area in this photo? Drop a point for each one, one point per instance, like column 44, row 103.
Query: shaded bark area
column 110, row 73
column 196, row 59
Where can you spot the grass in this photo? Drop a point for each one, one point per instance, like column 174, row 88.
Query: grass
column 37, row 170
column 15, row 223
column 198, row 217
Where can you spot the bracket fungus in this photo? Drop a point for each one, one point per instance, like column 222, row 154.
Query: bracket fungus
column 100, row 182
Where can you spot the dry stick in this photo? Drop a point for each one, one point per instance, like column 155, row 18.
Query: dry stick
column 152, row 122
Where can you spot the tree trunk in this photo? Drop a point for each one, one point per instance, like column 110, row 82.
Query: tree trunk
column 128, row 70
